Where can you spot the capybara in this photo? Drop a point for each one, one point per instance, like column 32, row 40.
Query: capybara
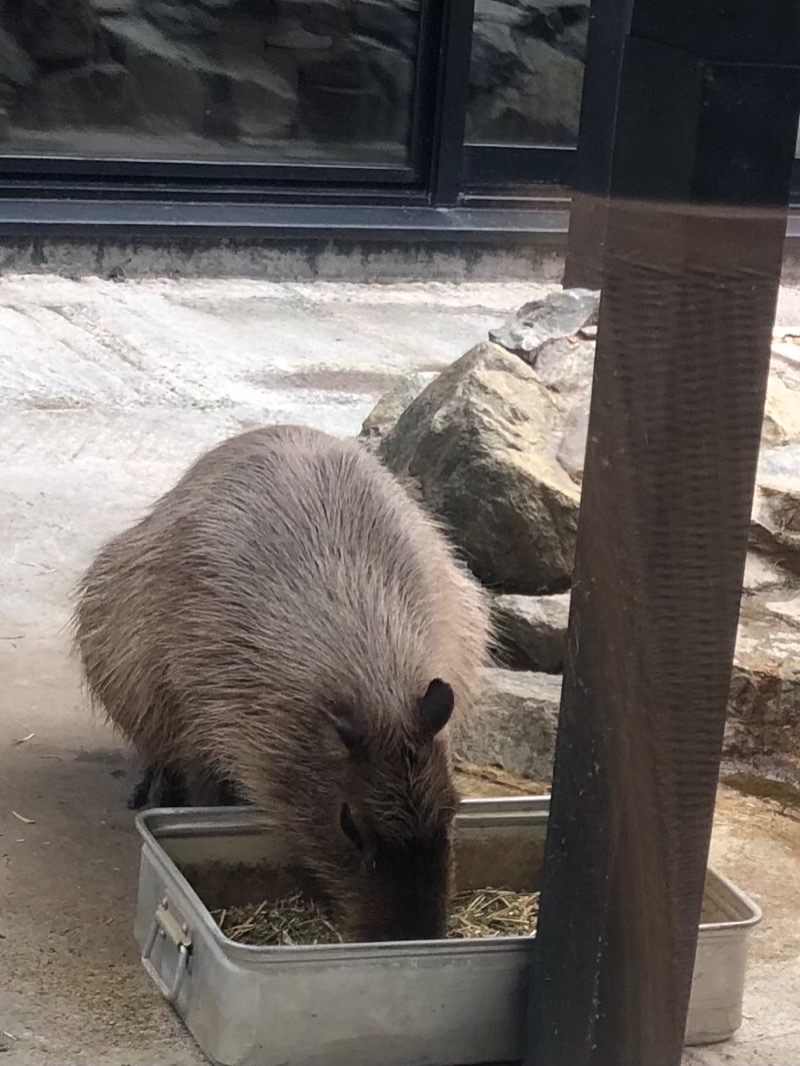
column 287, row 624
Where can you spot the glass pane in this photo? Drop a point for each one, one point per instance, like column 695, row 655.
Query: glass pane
column 235, row 80
column 527, row 72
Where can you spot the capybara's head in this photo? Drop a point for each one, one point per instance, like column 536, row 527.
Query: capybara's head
column 383, row 850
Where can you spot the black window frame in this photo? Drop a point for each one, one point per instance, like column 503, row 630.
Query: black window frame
column 493, row 166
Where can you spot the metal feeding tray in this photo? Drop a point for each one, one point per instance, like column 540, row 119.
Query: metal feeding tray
column 404, row 1004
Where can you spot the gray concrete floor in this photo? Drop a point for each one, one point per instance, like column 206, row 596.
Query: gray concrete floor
column 107, row 391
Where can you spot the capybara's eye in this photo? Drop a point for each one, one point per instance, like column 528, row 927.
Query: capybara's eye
column 349, row 827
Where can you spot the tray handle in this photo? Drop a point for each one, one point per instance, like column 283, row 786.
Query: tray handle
column 168, row 926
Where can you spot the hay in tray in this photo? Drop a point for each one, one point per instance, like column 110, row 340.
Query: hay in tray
column 286, row 922
column 493, row 912
column 294, row 921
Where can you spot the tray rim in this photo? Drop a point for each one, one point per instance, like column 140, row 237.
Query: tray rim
column 187, row 822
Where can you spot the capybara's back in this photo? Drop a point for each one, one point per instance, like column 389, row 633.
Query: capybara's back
column 288, row 620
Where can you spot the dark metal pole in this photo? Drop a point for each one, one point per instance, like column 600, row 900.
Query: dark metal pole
column 703, row 144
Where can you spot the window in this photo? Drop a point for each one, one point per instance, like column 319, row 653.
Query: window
column 526, row 73
column 210, row 80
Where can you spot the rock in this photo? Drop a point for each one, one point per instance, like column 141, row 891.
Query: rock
column 499, row 11
column 781, row 412
column 491, row 781
column 514, row 725
column 532, row 631
column 102, row 95
column 572, row 450
column 395, row 22
column 780, row 466
column 761, row 574
column 480, row 442
column 385, row 414
column 775, row 524
column 527, row 72
column 565, row 365
column 185, row 21
column 515, row 722
column 114, row 7
column 16, row 67
column 55, row 34
column 179, row 83
column 357, row 92
column 557, row 316
column 554, row 79
column 507, row 114
column 322, row 16
column 291, row 34
column 764, row 701
column 786, row 358
column 787, row 609
column 564, row 361
column 493, row 54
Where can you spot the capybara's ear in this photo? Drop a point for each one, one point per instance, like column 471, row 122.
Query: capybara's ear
column 436, row 707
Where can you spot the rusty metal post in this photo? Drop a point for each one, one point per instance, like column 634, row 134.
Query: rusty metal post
column 704, row 139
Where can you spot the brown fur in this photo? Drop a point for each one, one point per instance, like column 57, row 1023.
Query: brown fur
column 284, row 595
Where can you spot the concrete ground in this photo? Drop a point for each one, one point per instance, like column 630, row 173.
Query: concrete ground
column 107, row 391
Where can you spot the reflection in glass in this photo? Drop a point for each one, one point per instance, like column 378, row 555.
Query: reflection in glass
column 526, row 73
column 255, row 80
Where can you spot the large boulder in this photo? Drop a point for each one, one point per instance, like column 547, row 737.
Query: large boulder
column 514, row 726
column 531, row 631
column 386, row 413
column 480, row 443
column 556, row 336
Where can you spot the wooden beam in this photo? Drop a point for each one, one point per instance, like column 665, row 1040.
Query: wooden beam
column 704, row 136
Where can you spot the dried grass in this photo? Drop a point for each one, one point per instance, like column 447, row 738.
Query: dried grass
column 493, row 912
column 294, row 921
column 286, row 922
